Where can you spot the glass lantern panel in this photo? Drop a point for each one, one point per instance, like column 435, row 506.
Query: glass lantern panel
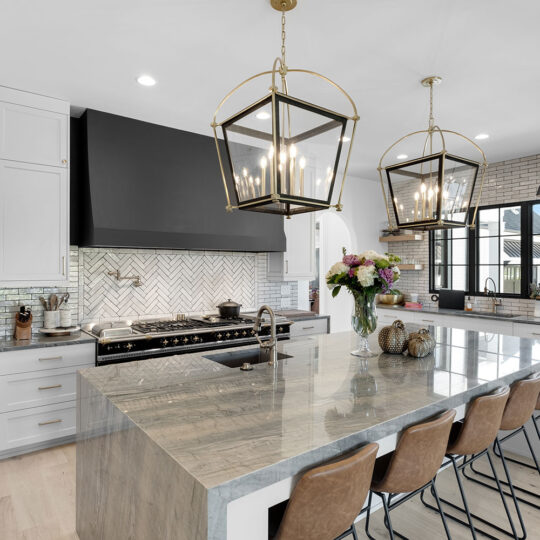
column 458, row 184
column 310, row 143
column 415, row 190
column 249, row 144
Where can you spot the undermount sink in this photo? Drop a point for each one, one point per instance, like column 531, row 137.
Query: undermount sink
column 489, row 314
column 236, row 359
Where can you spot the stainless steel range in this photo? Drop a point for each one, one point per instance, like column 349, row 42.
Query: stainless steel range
column 124, row 342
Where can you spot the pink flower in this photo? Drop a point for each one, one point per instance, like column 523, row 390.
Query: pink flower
column 369, row 262
column 351, row 260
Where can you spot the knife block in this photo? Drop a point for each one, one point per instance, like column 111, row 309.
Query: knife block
column 23, row 330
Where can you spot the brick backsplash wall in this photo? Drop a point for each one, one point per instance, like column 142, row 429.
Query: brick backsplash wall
column 189, row 282
column 508, row 181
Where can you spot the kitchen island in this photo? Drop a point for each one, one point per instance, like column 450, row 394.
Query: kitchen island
column 185, row 447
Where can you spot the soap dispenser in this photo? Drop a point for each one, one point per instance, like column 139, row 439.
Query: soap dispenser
column 468, row 304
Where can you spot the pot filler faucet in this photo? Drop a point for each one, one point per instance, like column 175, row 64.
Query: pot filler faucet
column 495, row 302
column 269, row 347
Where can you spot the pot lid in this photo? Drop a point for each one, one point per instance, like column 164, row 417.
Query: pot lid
column 229, row 303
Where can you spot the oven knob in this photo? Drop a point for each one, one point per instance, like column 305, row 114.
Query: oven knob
column 244, row 333
column 175, row 341
column 164, row 342
column 185, row 340
column 219, row 336
column 109, row 347
column 128, row 346
column 227, row 335
column 280, row 329
column 196, row 339
column 236, row 334
column 252, row 332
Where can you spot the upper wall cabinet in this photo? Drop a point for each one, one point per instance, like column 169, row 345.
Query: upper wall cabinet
column 34, row 190
column 298, row 261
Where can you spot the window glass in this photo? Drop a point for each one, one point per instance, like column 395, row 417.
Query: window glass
column 536, row 219
column 488, row 222
column 485, row 272
column 511, row 220
column 488, row 250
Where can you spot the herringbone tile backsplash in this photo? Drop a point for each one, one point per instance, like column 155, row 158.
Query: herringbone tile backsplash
column 190, row 282
column 172, row 282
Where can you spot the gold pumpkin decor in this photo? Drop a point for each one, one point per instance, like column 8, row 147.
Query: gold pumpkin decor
column 393, row 339
column 421, row 343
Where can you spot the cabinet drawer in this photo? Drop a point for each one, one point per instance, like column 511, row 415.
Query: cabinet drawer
column 308, row 328
column 30, row 426
column 47, row 358
column 34, row 389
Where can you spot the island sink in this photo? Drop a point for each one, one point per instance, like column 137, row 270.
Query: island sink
column 236, row 359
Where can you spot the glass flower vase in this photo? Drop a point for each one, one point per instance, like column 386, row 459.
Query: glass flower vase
column 364, row 322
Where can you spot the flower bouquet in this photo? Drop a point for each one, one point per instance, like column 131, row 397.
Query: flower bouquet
column 364, row 275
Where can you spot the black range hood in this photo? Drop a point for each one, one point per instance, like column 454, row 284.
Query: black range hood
column 141, row 185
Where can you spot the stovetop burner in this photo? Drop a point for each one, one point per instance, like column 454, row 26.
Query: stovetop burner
column 156, row 327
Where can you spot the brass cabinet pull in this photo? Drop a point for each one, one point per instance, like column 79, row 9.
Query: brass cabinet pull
column 307, row 327
column 57, row 421
column 64, row 161
column 49, row 387
column 50, row 358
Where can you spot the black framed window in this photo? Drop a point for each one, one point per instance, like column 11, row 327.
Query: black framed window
column 503, row 247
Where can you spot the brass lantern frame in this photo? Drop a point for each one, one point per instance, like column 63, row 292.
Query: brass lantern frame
column 276, row 97
column 430, row 224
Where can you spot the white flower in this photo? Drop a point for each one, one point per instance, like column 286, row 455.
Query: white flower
column 371, row 255
column 396, row 270
column 366, row 275
column 337, row 268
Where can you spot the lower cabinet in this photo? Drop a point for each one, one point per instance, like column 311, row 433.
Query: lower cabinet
column 38, row 395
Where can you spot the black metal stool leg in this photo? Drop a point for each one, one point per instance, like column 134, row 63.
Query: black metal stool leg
column 443, row 517
column 511, row 486
column 368, row 515
column 531, row 449
column 501, row 492
column 534, row 419
column 463, row 497
column 387, row 520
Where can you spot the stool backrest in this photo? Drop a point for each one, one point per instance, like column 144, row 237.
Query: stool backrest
column 481, row 424
column 521, row 403
column 418, row 455
column 327, row 499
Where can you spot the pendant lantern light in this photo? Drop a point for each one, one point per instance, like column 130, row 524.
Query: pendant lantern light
column 435, row 190
column 281, row 154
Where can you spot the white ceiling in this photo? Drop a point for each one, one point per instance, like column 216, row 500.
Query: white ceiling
column 487, row 51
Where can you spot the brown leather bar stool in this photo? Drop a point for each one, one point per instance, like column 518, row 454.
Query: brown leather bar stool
column 327, row 499
column 473, row 436
column 411, row 467
column 520, row 407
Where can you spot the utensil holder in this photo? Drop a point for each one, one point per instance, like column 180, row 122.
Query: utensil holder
column 23, row 330
column 65, row 318
column 51, row 319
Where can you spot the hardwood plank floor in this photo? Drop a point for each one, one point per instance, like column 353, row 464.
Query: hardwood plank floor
column 37, row 501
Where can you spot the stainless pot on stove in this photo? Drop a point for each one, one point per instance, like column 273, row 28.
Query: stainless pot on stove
column 229, row 309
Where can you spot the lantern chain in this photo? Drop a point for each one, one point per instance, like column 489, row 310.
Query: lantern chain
column 283, row 35
column 431, row 118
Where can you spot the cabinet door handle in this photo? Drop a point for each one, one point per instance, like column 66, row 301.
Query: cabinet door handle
column 428, row 320
column 63, row 265
column 535, row 334
column 57, row 421
column 286, row 267
column 49, row 387
column 307, row 327
column 50, row 358
column 64, row 161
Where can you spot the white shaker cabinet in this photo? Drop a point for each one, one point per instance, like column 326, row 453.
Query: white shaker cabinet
column 298, row 262
column 34, row 190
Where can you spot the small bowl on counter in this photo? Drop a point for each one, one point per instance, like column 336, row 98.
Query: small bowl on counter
column 390, row 299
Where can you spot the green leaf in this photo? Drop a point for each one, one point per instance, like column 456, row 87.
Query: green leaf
column 335, row 291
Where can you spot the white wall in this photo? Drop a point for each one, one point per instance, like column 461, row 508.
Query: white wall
column 357, row 228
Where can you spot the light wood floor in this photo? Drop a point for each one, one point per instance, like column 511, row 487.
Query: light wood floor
column 37, row 501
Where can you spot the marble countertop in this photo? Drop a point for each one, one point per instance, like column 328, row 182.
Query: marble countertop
column 39, row 341
column 463, row 313
column 236, row 431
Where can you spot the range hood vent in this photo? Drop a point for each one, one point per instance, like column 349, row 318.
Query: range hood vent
column 141, row 185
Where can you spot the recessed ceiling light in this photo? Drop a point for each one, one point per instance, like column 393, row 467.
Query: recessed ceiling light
column 262, row 115
column 402, row 156
column 146, row 80
column 482, row 136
